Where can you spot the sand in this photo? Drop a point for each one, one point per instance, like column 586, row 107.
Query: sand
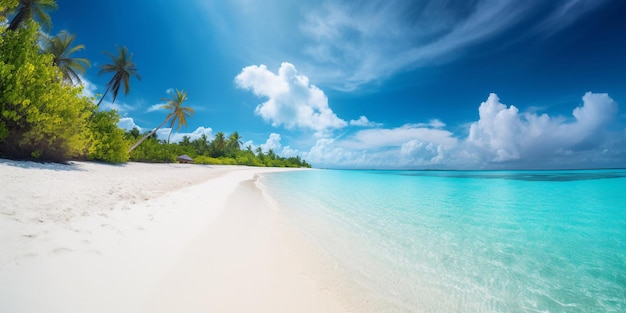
column 89, row 237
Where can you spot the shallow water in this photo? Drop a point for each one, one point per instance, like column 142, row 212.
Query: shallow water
column 469, row 241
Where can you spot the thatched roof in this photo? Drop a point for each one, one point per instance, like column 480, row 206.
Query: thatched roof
column 184, row 157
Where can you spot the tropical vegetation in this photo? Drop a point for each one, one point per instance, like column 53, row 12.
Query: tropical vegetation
column 61, row 47
column 221, row 150
column 45, row 116
column 122, row 68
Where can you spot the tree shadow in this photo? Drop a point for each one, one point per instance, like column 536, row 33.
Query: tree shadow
column 69, row 166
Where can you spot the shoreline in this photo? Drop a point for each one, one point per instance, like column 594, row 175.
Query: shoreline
column 101, row 238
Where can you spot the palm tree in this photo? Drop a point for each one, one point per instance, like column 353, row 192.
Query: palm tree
column 28, row 9
column 60, row 47
column 234, row 142
column 123, row 68
column 219, row 144
column 178, row 115
column 271, row 154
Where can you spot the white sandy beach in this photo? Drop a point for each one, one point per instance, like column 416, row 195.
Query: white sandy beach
column 91, row 237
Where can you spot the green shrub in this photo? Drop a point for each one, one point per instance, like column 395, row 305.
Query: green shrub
column 41, row 118
column 108, row 143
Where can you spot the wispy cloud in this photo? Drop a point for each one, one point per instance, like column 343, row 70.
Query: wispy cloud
column 155, row 107
column 346, row 44
column 566, row 13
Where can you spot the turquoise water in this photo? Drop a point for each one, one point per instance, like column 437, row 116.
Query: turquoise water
column 468, row 241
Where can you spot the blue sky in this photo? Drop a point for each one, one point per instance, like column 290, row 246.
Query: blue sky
column 377, row 84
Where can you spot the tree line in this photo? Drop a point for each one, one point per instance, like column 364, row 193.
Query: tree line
column 225, row 150
column 45, row 117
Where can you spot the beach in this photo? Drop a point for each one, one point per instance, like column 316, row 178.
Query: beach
column 90, row 237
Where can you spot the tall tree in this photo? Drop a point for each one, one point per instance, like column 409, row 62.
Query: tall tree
column 178, row 115
column 122, row 68
column 60, row 46
column 219, row 144
column 234, row 143
column 29, row 9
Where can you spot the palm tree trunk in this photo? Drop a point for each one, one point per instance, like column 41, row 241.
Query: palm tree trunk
column 171, row 129
column 146, row 136
column 105, row 93
column 18, row 19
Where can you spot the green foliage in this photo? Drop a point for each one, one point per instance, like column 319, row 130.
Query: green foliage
column 122, row 68
column 41, row 117
column 152, row 150
column 5, row 6
column 178, row 113
column 108, row 142
column 26, row 10
column 220, row 151
column 60, row 46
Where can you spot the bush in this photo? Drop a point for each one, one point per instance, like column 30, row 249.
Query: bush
column 41, row 118
column 108, row 143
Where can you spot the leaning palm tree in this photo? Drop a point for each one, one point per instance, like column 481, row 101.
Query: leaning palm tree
column 60, row 47
column 178, row 115
column 122, row 68
column 29, row 9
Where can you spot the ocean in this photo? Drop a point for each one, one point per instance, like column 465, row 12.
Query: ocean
column 467, row 241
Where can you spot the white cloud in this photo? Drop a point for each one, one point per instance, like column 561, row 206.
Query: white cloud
column 504, row 134
column 89, row 88
column 248, row 143
column 436, row 123
column 163, row 133
column 346, row 44
column 292, row 100
column 566, row 13
column 155, row 107
column 389, row 137
column 353, row 44
column 364, row 122
column 290, row 152
column 127, row 123
column 273, row 142
column 117, row 106
column 502, row 137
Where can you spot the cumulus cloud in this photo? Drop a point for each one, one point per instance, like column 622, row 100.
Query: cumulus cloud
column 504, row 134
column 292, row 100
column 502, row 137
column 127, row 123
column 363, row 121
column 273, row 142
column 163, row 133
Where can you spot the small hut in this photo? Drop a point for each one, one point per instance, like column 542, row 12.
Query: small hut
column 184, row 159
